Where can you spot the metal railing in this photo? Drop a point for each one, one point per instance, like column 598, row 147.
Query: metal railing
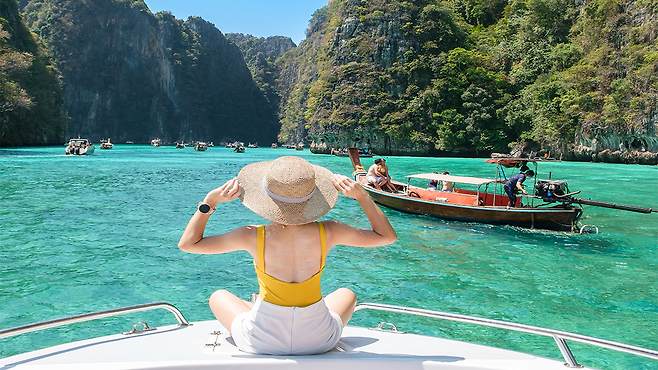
column 93, row 316
column 558, row 336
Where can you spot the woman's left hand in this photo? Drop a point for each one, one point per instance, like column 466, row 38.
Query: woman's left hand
column 349, row 187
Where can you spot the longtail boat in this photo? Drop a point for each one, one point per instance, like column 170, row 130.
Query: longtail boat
column 552, row 206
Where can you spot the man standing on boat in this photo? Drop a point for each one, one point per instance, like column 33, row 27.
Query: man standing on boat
column 514, row 184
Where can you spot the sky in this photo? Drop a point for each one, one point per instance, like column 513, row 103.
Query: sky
column 260, row 18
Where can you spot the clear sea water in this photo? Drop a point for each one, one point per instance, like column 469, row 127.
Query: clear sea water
column 84, row 234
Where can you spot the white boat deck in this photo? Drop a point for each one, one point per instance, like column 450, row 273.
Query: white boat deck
column 196, row 347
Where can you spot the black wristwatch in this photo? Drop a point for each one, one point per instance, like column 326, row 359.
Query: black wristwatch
column 206, row 208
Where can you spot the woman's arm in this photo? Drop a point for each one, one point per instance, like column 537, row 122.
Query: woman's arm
column 382, row 232
column 193, row 241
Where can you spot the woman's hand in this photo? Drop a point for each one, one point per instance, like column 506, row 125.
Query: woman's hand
column 225, row 193
column 349, row 187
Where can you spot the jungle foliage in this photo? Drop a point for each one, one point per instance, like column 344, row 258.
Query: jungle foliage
column 31, row 106
column 463, row 76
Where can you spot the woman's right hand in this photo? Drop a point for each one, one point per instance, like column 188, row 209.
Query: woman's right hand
column 225, row 193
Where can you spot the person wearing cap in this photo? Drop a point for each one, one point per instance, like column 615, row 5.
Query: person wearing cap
column 290, row 315
column 515, row 184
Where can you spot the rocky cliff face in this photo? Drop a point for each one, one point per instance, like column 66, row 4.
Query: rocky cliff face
column 415, row 78
column 131, row 75
column 261, row 54
column 32, row 110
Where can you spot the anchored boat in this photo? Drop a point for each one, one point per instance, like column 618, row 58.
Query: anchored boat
column 79, row 147
column 552, row 206
column 208, row 345
column 106, row 144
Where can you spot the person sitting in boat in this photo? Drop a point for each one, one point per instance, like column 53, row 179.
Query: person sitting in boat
column 433, row 185
column 290, row 315
column 386, row 181
column 447, row 185
column 515, row 184
column 375, row 175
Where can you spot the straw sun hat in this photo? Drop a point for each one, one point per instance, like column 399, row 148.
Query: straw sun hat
column 288, row 190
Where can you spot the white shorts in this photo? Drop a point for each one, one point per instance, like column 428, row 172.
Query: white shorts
column 374, row 179
column 271, row 329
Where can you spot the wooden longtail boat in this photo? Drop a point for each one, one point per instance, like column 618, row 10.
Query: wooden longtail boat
column 487, row 204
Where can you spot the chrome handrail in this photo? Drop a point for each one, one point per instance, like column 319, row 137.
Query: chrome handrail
column 558, row 336
column 93, row 316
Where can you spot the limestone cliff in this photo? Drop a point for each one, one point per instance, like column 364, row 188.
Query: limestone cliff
column 32, row 110
column 131, row 75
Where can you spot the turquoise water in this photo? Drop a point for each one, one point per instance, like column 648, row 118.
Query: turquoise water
column 83, row 234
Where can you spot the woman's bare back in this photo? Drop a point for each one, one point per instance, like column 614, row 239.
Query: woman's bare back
column 293, row 253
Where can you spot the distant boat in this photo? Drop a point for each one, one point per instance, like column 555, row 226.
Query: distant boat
column 180, row 145
column 274, row 146
column 201, row 146
column 255, row 145
column 300, row 146
column 129, row 142
column 239, row 149
column 156, row 142
column 79, row 147
column 106, row 144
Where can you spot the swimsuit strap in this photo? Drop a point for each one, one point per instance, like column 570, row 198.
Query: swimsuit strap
column 261, row 247
column 323, row 242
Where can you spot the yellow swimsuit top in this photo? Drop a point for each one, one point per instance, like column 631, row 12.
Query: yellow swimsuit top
column 286, row 294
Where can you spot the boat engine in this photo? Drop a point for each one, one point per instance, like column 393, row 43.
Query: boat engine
column 557, row 191
column 550, row 190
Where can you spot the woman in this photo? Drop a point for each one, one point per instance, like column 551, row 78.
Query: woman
column 290, row 316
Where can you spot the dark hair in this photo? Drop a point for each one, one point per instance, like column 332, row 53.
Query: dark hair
column 524, row 168
column 445, row 173
column 530, row 173
column 378, row 160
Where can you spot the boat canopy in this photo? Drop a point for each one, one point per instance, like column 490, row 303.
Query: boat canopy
column 455, row 179
column 74, row 141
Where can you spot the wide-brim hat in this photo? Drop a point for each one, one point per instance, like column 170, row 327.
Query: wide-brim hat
column 288, row 190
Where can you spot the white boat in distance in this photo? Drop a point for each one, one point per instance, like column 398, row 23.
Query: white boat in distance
column 207, row 345
column 79, row 147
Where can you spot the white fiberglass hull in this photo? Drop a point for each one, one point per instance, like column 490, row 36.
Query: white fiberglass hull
column 196, row 347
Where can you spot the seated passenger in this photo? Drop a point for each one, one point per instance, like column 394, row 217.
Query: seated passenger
column 433, row 185
column 373, row 176
column 447, row 185
column 386, row 178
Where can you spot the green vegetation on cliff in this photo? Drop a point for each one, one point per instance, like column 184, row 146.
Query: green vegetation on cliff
column 31, row 106
column 467, row 76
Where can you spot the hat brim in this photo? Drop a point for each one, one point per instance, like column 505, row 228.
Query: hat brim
column 253, row 196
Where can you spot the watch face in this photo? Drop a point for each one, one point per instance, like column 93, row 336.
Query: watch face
column 204, row 208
